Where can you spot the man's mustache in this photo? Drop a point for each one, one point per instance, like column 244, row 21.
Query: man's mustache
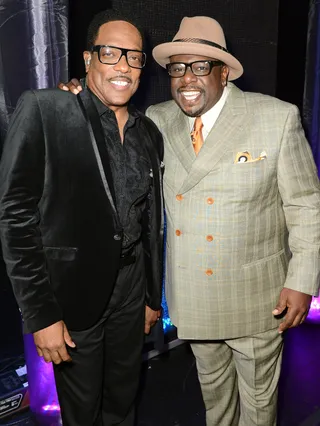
column 190, row 88
column 121, row 77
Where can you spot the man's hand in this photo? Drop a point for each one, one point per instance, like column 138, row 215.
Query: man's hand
column 73, row 86
column 51, row 343
column 298, row 305
column 150, row 319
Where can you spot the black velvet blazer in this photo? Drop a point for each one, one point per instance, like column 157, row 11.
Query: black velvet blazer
column 60, row 231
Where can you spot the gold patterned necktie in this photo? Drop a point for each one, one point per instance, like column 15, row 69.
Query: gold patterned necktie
column 196, row 135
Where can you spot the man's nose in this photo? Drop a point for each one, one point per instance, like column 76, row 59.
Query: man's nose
column 189, row 76
column 122, row 65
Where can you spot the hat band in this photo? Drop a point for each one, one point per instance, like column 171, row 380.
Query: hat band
column 200, row 41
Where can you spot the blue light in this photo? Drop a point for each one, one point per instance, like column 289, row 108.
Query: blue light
column 167, row 324
column 166, row 321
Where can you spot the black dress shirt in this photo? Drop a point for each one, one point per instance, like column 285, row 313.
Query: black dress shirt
column 130, row 168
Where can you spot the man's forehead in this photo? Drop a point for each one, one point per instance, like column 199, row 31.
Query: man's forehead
column 116, row 24
column 119, row 33
column 118, row 28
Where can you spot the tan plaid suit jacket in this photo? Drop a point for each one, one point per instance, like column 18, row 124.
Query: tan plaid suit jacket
column 237, row 233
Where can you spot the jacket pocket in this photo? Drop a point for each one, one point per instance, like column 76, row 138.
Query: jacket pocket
column 263, row 260
column 61, row 253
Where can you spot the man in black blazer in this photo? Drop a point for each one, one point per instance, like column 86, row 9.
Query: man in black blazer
column 81, row 226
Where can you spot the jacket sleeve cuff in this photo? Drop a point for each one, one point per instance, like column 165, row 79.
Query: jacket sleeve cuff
column 45, row 317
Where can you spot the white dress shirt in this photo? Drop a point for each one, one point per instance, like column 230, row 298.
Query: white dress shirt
column 211, row 116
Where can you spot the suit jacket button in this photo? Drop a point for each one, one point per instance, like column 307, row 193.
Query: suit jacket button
column 209, row 238
column 209, row 272
column 210, row 200
column 179, row 197
column 178, row 232
column 117, row 237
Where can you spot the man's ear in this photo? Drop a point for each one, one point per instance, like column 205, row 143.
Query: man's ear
column 224, row 75
column 87, row 60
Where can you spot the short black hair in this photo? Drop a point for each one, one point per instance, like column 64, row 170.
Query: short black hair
column 104, row 17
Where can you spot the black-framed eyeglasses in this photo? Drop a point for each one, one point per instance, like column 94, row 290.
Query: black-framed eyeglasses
column 198, row 68
column 111, row 55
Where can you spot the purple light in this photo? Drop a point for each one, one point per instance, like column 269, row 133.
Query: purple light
column 42, row 388
column 314, row 313
column 315, row 304
column 53, row 407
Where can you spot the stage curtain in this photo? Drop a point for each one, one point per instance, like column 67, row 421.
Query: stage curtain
column 311, row 103
column 33, row 49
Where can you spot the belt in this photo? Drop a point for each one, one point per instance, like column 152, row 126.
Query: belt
column 128, row 258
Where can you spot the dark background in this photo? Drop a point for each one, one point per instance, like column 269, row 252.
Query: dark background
column 251, row 29
column 268, row 37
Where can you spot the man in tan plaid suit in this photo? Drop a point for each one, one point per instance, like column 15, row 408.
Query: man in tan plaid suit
column 243, row 221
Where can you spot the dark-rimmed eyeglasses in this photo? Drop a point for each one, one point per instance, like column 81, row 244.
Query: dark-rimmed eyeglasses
column 111, row 55
column 198, row 68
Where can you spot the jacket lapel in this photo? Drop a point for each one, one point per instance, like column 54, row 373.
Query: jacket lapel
column 99, row 145
column 157, row 170
column 229, row 126
column 181, row 140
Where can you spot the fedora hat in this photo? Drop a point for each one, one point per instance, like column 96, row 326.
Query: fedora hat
column 199, row 35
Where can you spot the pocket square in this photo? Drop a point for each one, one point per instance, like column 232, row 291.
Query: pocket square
column 245, row 157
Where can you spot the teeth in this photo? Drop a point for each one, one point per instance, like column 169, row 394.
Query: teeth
column 190, row 96
column 119, row 82
column 193, row 92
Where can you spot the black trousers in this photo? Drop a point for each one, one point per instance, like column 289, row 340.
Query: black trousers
column 99, row 386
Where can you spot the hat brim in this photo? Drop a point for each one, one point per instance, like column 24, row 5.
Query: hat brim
column 162, row 53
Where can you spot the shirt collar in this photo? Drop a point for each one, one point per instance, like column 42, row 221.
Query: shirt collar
column 103, row 109
column 209, row 118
